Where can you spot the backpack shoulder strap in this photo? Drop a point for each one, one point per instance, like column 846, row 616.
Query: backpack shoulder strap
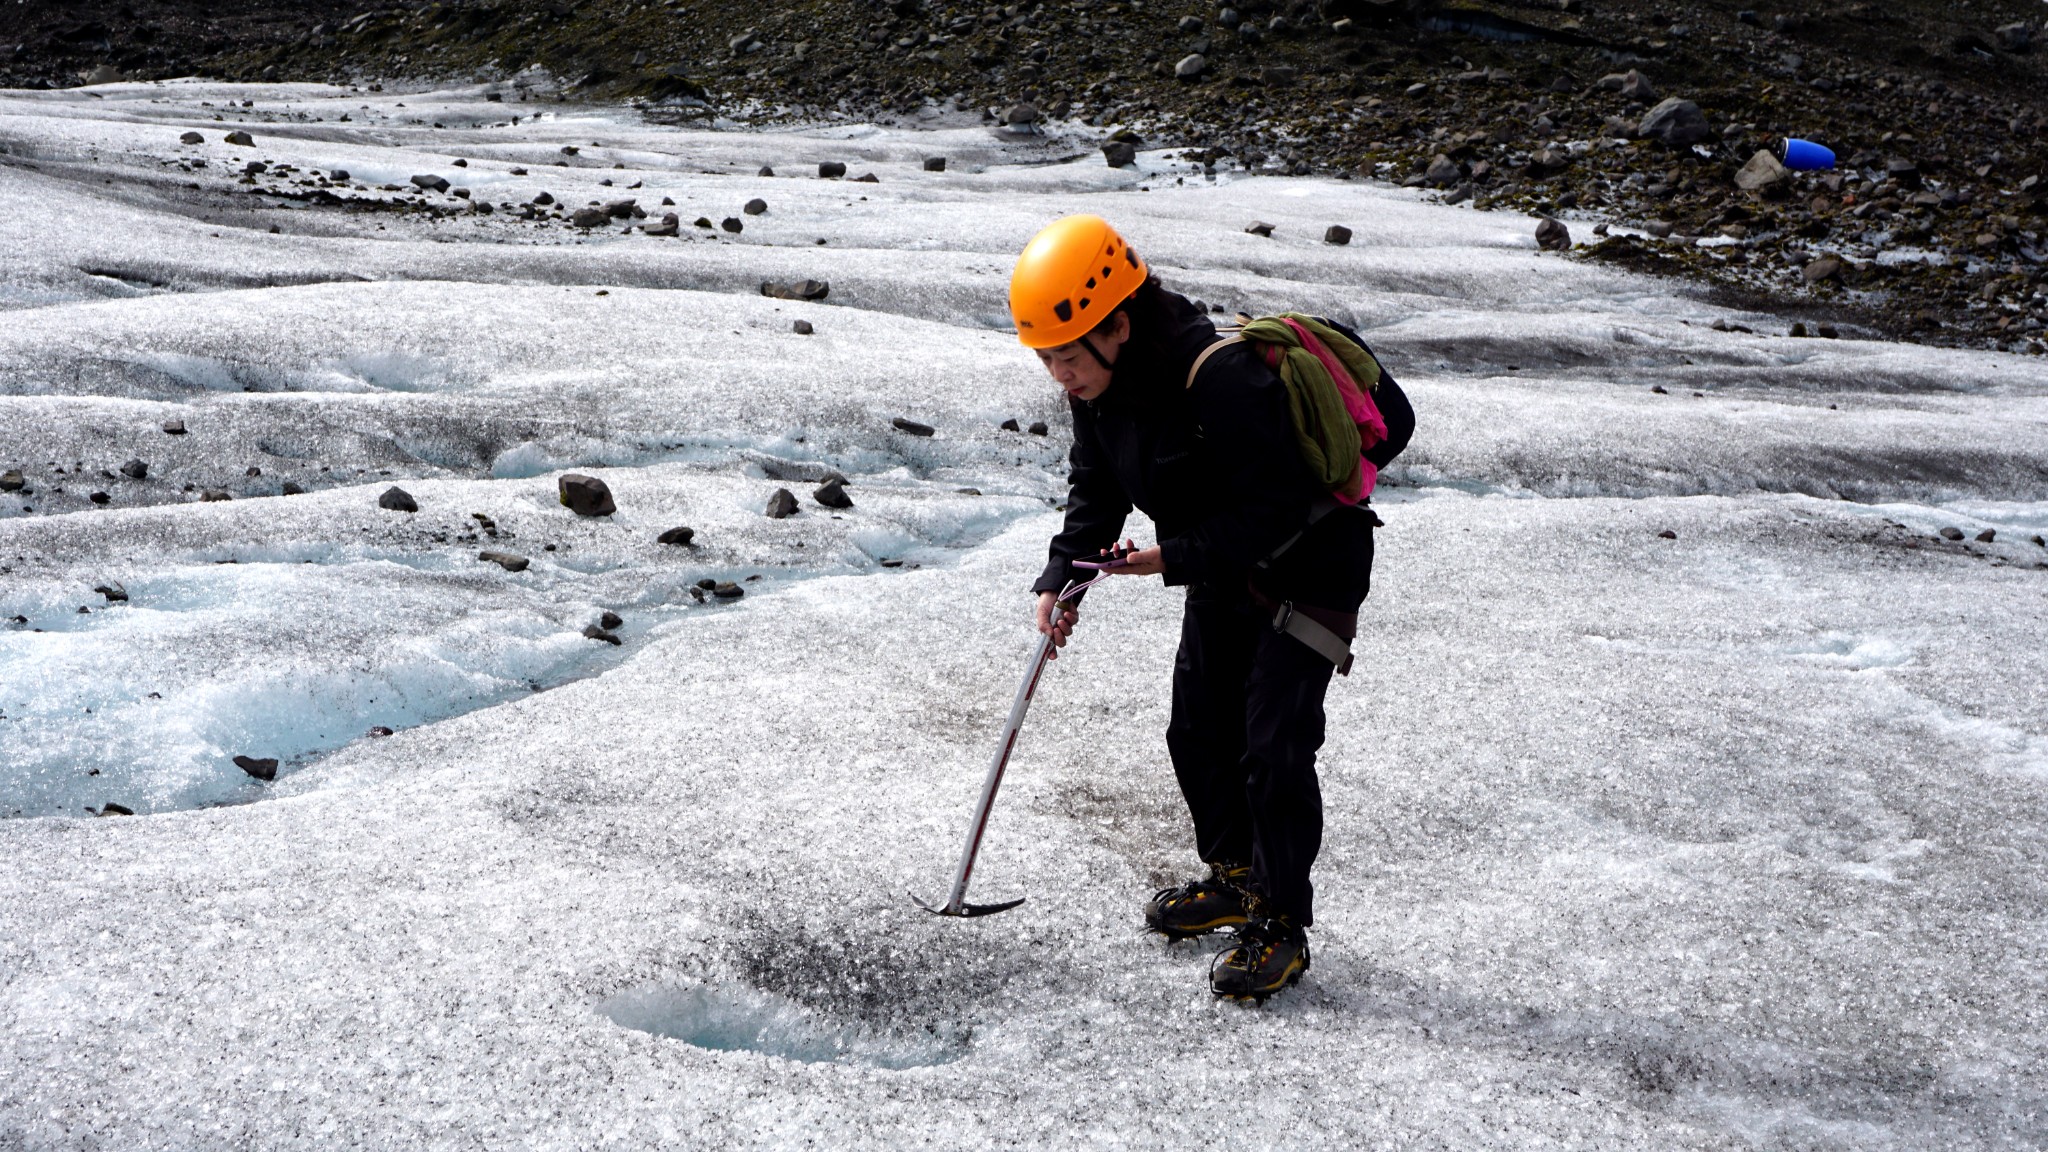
column 1196, row 368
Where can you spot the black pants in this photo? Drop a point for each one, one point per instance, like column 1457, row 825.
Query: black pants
column 1248, row 713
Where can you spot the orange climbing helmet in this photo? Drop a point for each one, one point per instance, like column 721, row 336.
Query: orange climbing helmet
column 1071, row 275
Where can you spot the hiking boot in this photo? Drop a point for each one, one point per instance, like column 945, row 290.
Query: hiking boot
column 1200, row 906
column 1270, row 953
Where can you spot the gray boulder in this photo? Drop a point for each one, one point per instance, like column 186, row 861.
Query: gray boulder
column 1676, row 122
column 832, row 494
column 584, row 495
column 396, row 499
column 1119, row 154
column 1762, row 171
column 1191, row 67
column 1553, row 236
column 782, row 504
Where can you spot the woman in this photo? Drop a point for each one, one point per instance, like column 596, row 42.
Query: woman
column 1211, row 457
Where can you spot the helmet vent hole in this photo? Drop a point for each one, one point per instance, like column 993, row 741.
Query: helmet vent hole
column 1091, row 282
column 1105, row 270
column 1084, row 302
column 1064, row 310
column 1131, row 256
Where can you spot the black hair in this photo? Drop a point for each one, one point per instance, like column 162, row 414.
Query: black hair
column 1151, row 320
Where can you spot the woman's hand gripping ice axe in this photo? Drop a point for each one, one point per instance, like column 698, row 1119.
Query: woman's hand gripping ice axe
column 1056, row 617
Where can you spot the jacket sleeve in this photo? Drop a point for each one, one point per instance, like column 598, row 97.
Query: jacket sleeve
column 1096, row 505
column 1263, row 488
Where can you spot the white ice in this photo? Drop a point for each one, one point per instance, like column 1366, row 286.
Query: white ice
column 1730, row 838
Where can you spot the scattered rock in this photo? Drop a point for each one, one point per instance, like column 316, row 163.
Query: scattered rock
column 727, row 590
column 755, row 207
column 1021, row 116
column 1667, row 534
column 12, row 480
column 1011, row 425
column 1635, row 86
column 261, row 767
column 912, row 427
column 100, row 498
column 506, row 560
column 1443, row 171
column 731, row 224
column 113, row 591
column 590, row 218
column 832, row 494
column 1676, row 122
column 781, row 504
column 1905, row 172
column 111, row 809
column 1987, row 536
column 1191, row 66
column 397, row 499
column 135, row 469
column 796, row 289
column 935, row 163
column 1552, row 235
column 1822, row 268
column 1337, row 234
column 1661, row 229
column 1762, row 171
column 1038, row 428
column 802, row 328
column 1259, row 228
column 1119, row 154
column 594, row 632
column 677, row 536
column 174, row 427
column 1951, row 533
column 214, row 496
column 584, row 495
column 239, row 139
column 670, row 225
column 831, row 169
column 380, row 731
column 430, row 183
column 292, row 488
column 610, row 620
column 867, row 178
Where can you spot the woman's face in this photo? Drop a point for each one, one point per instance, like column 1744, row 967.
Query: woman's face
column 1075, row 369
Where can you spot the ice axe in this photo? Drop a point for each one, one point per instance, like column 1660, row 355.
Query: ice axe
column 956, row 903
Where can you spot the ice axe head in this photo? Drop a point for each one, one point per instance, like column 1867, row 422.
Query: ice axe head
column 964, row 909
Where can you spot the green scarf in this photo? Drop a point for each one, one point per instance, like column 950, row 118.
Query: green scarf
column 1323, row 427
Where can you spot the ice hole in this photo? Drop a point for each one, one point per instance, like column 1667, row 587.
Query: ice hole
column 725, row 1018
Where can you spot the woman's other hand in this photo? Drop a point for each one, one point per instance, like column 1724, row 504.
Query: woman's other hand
column 1143, row 562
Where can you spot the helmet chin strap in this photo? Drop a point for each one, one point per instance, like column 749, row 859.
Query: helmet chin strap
column 1096, row 352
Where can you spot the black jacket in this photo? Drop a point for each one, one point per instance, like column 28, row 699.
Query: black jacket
column 1215, row 466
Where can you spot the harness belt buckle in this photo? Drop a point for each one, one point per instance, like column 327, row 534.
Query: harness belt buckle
column 1283, row 616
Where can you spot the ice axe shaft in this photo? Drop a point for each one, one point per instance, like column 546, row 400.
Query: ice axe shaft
column 956, row 902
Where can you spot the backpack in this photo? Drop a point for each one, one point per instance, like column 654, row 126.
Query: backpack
column 1334, row 399
column 1350, row 420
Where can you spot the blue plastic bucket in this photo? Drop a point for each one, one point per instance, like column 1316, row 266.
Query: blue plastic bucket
column 1804, row 155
